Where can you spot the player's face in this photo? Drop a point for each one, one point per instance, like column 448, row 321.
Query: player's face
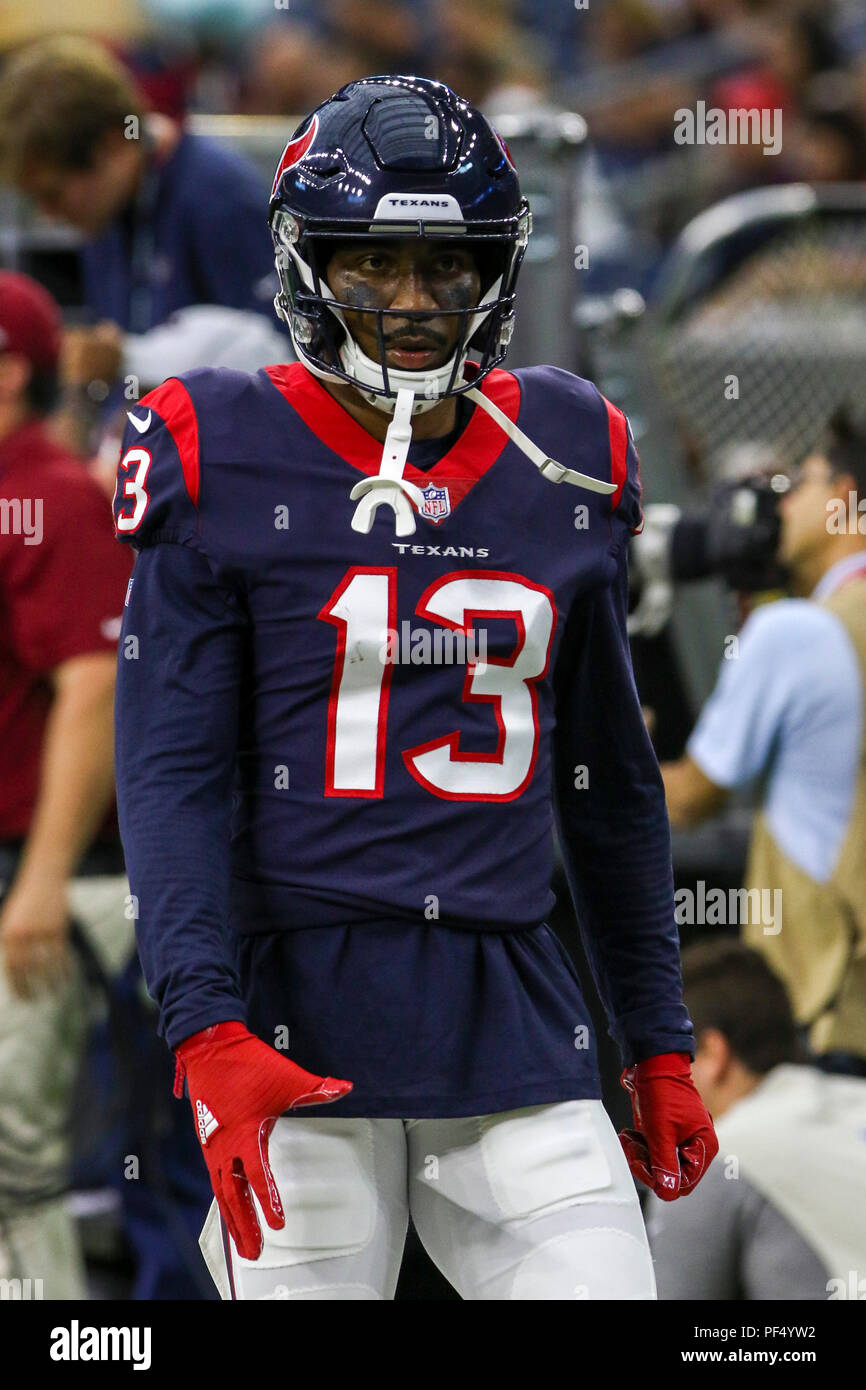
column 423, row 280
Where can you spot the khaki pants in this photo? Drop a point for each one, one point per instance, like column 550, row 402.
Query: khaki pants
column 41, row 1046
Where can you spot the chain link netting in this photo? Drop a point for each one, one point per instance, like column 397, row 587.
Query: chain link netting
column 768, row 352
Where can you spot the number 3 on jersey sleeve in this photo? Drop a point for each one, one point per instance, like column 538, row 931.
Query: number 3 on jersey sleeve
column 363, row 609
column 132, row 486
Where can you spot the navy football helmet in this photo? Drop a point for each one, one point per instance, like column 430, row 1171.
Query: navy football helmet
column 395, row 157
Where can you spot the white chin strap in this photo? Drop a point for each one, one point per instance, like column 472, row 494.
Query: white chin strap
column 548, row 468
column 390, row 488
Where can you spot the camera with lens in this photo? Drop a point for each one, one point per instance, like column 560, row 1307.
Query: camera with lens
column 734, row 536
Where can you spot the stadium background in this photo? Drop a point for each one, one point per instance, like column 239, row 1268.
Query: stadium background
column 635, row 275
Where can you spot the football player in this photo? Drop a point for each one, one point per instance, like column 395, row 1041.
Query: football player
column 374, row 649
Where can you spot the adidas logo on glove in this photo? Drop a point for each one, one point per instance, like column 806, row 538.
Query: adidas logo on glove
column 206, row 1122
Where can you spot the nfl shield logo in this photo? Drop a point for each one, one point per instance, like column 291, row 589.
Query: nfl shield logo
column 437, row 503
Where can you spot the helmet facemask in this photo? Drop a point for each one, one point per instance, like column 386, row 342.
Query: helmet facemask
column 319, row 330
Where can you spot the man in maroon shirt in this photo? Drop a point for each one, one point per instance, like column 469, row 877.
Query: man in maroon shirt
column 62, row 586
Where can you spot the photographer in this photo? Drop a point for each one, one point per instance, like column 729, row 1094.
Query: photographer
column 790, row 710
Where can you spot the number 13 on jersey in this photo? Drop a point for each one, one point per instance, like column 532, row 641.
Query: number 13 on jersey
column 363, row 609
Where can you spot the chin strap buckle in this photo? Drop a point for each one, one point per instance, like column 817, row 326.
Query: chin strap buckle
column 553, row 471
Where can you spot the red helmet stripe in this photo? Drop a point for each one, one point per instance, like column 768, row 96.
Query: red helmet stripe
column 506, row 150
column 295, row 151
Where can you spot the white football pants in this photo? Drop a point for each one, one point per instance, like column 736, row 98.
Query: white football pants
column 535, row 1203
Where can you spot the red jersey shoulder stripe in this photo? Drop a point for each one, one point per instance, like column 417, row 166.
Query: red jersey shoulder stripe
column 173, row 404
column 617, row 426
column 617, row 432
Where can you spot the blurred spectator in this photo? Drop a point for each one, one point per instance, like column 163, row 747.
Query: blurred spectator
column 62, row 585
column 388, row 34
column 476, row 46
column 166, row 72
column 555, row 28
column 291, row 69
column 798, row 46
column 632, row 87
column 830, row 146
column 791, row 49
column 781, row 1211
column 636, row 63
column 791, row 710
column 169, row 219
column 625, row 31
column 482, row 48
column 741, row 165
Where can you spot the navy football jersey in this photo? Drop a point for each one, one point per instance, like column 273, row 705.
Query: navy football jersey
column 340, row 756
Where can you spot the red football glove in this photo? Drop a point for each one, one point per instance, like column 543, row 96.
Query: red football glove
column 239, row 1087
column 673, row 1141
